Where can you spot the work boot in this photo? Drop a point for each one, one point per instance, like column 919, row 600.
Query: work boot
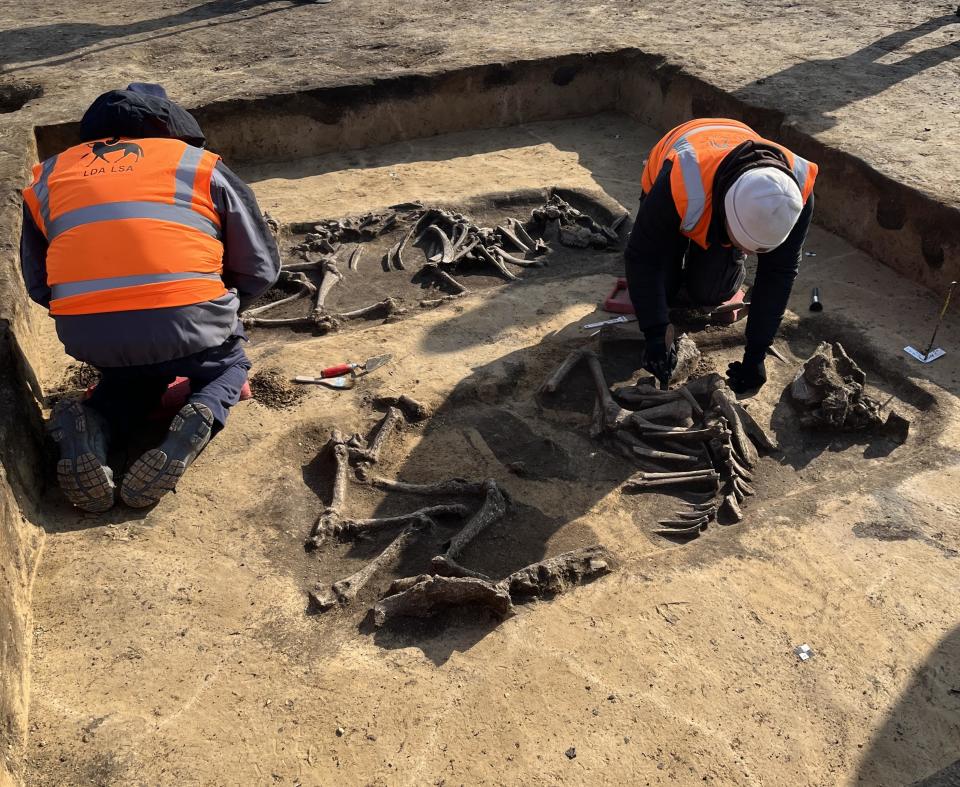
column 82, row 471
column 158, row 470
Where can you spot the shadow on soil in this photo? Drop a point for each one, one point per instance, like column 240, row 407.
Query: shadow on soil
column 859, row 74
column 923, row 727
column 56, row 44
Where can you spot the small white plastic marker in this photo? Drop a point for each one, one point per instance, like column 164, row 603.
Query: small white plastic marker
column 931, row 355
column 804, row 653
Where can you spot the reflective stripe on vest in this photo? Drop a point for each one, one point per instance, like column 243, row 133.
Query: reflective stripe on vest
column 41, row 190
column 129, row 235
column 112, row 211
column 118, row 282
column 801, row 169
column 692, row 176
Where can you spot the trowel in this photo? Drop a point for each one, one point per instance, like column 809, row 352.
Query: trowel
column 336, row 376
column 932, row 354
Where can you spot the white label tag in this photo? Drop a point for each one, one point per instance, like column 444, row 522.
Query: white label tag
column 934, row 354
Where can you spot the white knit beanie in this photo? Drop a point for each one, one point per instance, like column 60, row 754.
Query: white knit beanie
column 762, row 206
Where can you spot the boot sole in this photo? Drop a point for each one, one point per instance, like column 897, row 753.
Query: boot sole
column 85, row 482
column 159, row 470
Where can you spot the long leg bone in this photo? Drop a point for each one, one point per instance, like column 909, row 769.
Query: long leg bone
column 453, row 487
column 331, row 275
column 388, row 306
column 493, row 508
column 346, row 589
column 613, row 413
column 307, row 290
column 329, row 519
column 559, row 374
column 643, row 481
column 348, row 528
column 677, row 410
column 387, row 425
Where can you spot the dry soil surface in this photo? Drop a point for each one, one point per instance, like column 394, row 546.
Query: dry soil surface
column 173, row 646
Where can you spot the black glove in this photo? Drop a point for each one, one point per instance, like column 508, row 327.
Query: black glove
column 746, row 375
column 659, row 359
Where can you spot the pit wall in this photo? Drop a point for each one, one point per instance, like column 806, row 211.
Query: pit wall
column 911, row 232
column 21, row 460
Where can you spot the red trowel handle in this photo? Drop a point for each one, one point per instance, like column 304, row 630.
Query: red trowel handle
column 338, row 371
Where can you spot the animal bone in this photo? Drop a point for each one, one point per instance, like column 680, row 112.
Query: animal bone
column 643, row 481
column 453, row 487
column 348, row 528
column 424, row 599
column 388, row 305
column 753, row 429
column 412, row 409
column 430, row 303
column 504, row 257
column 329, row 518
column 551, row 384
column 448, row 567
column 493, row 508
column 331, row 275
column 523, row 235
column 679, row 532
column 392, row 418
column 433, row 269
column 613, row 414
column 707, row 433
column 346, row 589
column 640, row 449
column 482, row 251
column 446, row 247
column 677, row 410
column 307, row 290
column 355, row 258
column 700, row 521
column 510, row 236
column 722, row 399
column 556, row 574
column 731, row 508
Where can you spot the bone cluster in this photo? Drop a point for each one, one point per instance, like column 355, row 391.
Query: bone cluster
column 447, row 583
column 448, row 242
column 693, row 435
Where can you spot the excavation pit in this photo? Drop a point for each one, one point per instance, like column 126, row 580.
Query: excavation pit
column 188, row 617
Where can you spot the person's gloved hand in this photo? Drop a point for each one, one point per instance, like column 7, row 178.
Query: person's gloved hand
column 746, row 375
column 660, row 358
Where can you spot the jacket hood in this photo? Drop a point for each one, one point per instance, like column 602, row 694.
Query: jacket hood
column 137, row 114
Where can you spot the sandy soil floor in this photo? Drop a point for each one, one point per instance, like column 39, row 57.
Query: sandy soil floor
column 173, row 646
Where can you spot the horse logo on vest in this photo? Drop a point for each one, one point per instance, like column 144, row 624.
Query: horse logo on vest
column 101, row 150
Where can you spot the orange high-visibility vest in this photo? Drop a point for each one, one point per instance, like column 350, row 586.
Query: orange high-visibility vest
column 130, row 225
column 697, row 149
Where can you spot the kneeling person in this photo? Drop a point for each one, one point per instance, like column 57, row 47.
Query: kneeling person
column 713, row 191
column 143, row 245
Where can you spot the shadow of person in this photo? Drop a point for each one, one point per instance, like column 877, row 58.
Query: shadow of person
column 816, row 88
column 55, row 44
column 494, row 425
column 919, row 743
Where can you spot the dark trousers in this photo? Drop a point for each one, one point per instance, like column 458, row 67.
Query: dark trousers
column 126, row 395
column 709, row 277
